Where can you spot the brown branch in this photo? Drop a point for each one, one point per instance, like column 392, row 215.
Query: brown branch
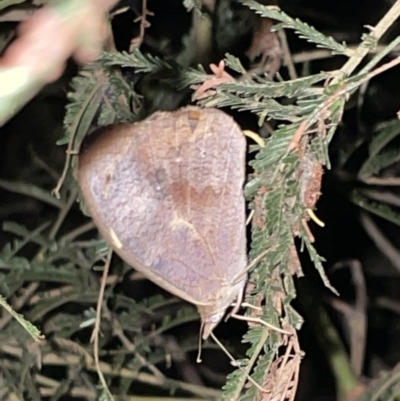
column 96, row 330
column 136, row 42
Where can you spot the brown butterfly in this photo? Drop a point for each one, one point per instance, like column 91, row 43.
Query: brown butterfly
column 167, row 194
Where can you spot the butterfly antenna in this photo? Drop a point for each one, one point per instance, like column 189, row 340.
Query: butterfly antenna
column 198, row 359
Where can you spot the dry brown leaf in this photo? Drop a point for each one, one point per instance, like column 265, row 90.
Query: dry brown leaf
column 266, row 46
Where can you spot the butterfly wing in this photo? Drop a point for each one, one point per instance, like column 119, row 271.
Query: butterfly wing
column 167, row 194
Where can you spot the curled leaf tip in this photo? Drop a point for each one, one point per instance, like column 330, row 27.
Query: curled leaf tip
column 314, row 218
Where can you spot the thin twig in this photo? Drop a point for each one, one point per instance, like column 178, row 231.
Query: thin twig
column 19, row 302
column 380, row 241
column 119, row 332
column 389, row 304
column 385, row 197
column 63, row 214
column 377, row 32
column 356, row 315
column 287, row 55
column 96, row 330
column 136, row 42
column 178, row 354
column 297, row 358
column 343, row 91
column 36, row 159
column 321, row 54
column 282, row 378
column 77, row 232
column 382, row 181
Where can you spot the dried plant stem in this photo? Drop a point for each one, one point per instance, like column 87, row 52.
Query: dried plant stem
column 355, row 315
column 287, row 55
column 320, row 54
column 63, row 213
column 84, row 228
column 392, row 381
column 96, row 330
column 31, row 191
column 323, row 108
column 136, row 42
column 380, row 241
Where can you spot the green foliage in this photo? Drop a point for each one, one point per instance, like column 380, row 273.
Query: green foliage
column 313, row 115
column 137, row 60
column 379, row 208
column 376, row 169
column 303, row 30
column 385, row 387
column 63, row 275
column 32, row 191
column 95, row 83
column 62, row 271
column 378, row 158
column 28, row 326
